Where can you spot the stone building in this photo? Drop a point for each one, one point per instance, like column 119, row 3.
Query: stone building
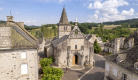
column 124, row 65
column 41, row 44
column 18, row 52
column 70, row 47
column 118, row 45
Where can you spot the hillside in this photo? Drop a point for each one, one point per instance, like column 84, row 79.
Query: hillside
column 129, row 21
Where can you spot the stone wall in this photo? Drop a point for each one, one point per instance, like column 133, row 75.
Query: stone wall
column 66, row 50
column 5, row 37
column 120, row 71
column 10, row 67
column 62, row 32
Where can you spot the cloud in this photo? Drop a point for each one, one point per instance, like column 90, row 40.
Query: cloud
column 128, row 13
column 108, row 9
column 103, row 20
column 93, row 17
column 1, row 9
column 89, row 21
column 34, row 21
column 27, row 21
column 16, row 13
column 136, row 13
column 61, row 1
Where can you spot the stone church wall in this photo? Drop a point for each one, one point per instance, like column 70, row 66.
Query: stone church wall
column 63, row 32
column 10, row 64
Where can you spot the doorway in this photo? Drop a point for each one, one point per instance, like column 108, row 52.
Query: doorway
column 75, row 60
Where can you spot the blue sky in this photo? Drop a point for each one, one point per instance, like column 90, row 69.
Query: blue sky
column 38, row 12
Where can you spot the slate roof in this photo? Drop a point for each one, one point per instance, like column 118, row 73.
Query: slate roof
column 40, row 40
column 99, row 38
column 20, row 37
column 87, row 36
column 24, row 34
column 64, row 19
column 57, row 41
column 128, row 63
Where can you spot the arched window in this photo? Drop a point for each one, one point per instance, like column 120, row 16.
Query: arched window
column 76, row 32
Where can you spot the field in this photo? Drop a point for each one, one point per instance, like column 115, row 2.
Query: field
column 112, row 26
column 51, row 35
column 107, row 26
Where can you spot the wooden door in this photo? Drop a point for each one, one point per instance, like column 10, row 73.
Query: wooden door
column 73, row 60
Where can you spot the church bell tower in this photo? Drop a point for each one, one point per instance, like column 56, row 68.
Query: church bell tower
column 64, row 27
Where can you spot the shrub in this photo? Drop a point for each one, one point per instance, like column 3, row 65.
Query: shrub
column 45, row 62
column 52, row 58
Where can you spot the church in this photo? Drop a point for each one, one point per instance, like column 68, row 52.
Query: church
column 70, row 47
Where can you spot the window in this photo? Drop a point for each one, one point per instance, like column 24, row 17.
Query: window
column 76, row 32
column 124, row 76
column 23, row 55
column 75, row 46
column 24, row 69
column 107, row 67
column 115, row 72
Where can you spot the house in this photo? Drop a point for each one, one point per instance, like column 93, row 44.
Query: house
column 70, row 47
column 41, row 44
column 118, row 45
column 18, row 52
column 123, row 65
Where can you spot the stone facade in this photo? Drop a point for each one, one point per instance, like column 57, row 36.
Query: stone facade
column 18, row 52
column 64, row 30
column 118, row 74
column 118, row 45
column 70, row 47
column 11, row 61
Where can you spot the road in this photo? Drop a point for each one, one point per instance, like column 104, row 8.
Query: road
column 97, row 73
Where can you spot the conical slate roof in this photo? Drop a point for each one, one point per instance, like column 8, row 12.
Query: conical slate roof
column 64, row 18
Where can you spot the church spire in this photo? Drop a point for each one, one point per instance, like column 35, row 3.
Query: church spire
column 64, row 18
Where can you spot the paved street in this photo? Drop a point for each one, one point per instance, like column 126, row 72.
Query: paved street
column 97, row 73
column 73, row 74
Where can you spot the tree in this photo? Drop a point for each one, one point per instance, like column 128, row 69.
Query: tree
column 45, row 62
column 97, row 48
column 51, row 73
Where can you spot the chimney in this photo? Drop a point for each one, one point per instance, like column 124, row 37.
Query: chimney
column 9, row 18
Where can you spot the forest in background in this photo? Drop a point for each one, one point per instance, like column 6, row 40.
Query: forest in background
column 106, row 30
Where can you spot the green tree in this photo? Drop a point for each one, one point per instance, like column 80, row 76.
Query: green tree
column 45, row 62
column 51, row 73
column 97, row 48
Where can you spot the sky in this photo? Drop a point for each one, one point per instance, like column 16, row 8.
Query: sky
column 40, row 12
